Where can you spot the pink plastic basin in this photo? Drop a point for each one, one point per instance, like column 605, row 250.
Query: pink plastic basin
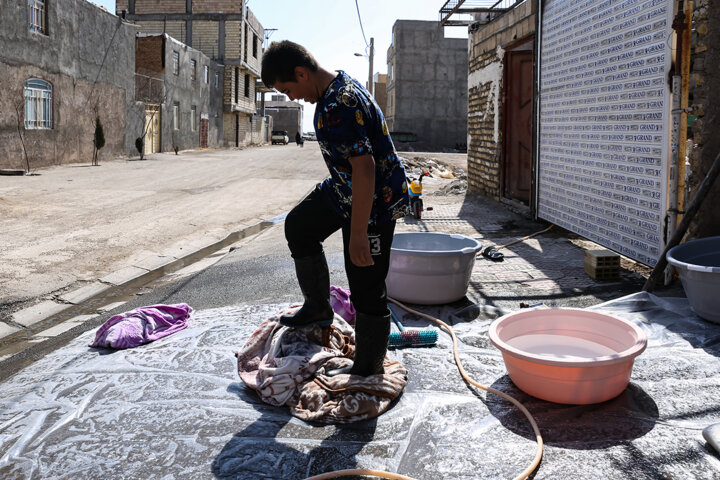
column 568, row 355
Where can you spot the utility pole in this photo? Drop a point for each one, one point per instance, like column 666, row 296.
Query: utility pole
column 371, row 84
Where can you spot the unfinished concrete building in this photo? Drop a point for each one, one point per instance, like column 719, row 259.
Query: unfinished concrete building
column 427, row 85
column 229, row 34
column 286, row 115
column 60, row 68
column 380, row 90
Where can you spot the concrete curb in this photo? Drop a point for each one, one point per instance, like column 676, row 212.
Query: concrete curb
column 50, row 318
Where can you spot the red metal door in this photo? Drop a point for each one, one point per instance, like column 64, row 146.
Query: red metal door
column 518, row 125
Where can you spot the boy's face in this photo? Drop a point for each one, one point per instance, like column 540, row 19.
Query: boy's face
column 303, row 88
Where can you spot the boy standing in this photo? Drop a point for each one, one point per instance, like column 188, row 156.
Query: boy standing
column 364, row 195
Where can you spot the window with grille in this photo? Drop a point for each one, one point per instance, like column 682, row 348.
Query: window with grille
column 176, row 63
column 37, row 16
column 38, row 104
column 193, row 115
column 193, row 70
column 255, row 44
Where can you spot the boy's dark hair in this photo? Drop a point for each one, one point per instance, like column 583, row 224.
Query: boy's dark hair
column 281, row 58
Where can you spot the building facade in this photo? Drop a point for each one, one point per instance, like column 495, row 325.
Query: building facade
column 380, row 90
column 500, row 104
column 427, row 84
column 286, row 115
column 62, row 64
column 704, row 108
column 225, row 31
column 183, row 102
column 584, row 130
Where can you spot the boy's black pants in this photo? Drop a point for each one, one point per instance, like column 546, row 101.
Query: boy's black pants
column 313, row 220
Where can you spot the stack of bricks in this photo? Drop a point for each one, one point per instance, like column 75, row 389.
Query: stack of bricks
column 602, row 264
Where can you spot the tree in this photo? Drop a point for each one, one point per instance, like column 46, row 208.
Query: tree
column 98, row 141
column 19, row 117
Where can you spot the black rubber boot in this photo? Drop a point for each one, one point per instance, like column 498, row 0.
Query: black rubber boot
column 314, row 279
column 371, row 340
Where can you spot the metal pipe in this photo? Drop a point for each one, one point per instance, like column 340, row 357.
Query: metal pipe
column 672, row 211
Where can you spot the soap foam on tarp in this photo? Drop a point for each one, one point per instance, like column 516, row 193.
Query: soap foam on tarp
column 174, row 409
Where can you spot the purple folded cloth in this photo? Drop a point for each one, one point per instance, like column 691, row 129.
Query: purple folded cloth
column 341, row 304
column 142, row 325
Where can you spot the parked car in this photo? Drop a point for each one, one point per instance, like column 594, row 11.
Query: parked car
column 279, row 136
column 310, row 136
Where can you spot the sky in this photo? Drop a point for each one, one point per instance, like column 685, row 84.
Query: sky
column 331, row 31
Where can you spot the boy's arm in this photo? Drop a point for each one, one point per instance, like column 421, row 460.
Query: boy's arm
column 363, row 190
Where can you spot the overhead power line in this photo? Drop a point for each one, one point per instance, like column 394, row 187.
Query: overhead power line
column 361, row 25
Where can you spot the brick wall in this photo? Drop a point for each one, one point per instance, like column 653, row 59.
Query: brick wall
column 154, row 6
column 485, row 90
column 233, row 39
column 150, row 27
column 205, row 37
column 705, row 103
column 149, row 55
column 177, row 30
column 179, row 6
column 215, row 6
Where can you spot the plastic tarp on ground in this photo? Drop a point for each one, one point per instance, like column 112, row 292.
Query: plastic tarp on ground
column 175, row 409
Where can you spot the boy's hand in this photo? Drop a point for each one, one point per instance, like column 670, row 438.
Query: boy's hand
column 360, row 250
column 363, row 187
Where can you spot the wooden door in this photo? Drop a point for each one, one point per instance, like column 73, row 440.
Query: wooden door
column 517, row 178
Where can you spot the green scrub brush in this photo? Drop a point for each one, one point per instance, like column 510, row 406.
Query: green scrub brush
column 405, row 337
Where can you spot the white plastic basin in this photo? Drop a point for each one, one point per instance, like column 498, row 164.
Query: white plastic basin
column 698, row 264
column 430, row 268
column 568, row 355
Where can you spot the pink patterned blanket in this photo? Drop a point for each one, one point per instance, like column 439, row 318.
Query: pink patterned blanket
column 286, row 366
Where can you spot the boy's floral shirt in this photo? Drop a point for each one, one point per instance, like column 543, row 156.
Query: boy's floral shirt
column 348, row 123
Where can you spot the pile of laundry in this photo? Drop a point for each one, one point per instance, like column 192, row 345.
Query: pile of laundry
column 286, row 366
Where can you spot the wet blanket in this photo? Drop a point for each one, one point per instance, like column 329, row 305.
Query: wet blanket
column 286, row 366
column 142, row 325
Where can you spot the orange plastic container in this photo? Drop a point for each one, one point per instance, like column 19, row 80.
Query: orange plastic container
column 568, row 355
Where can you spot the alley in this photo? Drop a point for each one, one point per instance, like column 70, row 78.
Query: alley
column 73, row 224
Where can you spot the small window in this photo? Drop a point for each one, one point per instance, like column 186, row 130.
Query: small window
column 207, row 74
column 237, row 84
column 38, row 104
column 217, row 79
column 176, row 116
column 193, row 70
column 247, row 85
column 193, row 116
column 37, row 16
column 176, row 63
column 245, row 42
column 255, row 44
